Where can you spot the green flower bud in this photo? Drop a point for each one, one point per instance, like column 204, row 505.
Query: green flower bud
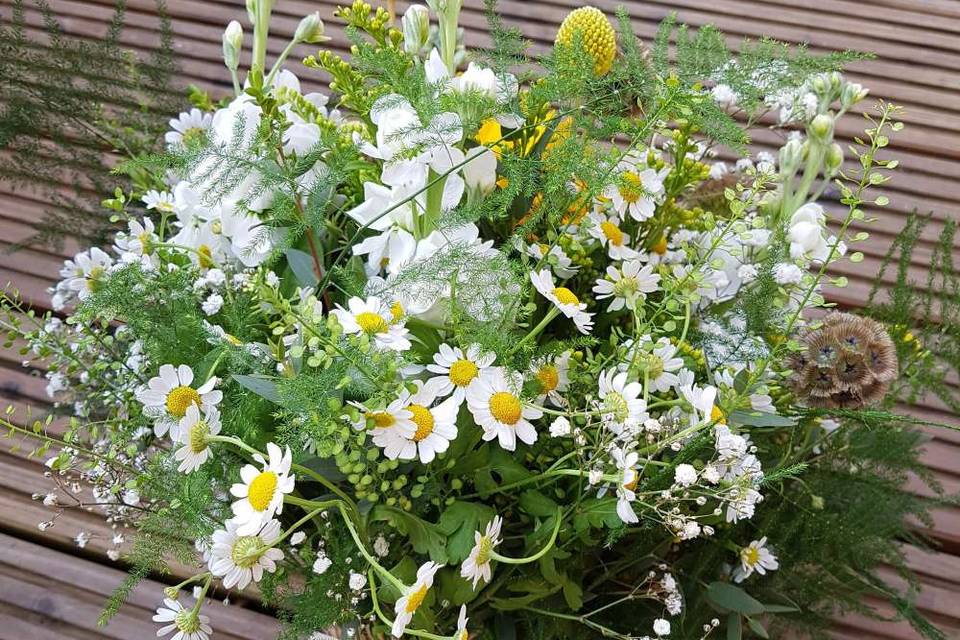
column 791, row 156
column 851, row 94
column 821, row 128
column 833, row 158
column 416, row 28
column 232, row 44
column 310, row 29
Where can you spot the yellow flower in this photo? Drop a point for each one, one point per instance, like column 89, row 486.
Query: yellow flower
column 596, row 34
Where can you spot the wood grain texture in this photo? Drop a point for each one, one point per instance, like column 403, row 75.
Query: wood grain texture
column 50, row 590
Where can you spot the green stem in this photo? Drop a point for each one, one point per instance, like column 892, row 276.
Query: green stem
column 203, row 594
column 279, row 62
column 551, row 314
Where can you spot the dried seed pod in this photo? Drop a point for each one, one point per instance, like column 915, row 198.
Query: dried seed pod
column 848, row 362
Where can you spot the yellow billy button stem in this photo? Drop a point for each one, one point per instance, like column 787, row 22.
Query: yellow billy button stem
column 591, row 28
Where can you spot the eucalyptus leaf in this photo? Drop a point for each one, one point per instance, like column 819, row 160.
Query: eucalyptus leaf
column 261, row 385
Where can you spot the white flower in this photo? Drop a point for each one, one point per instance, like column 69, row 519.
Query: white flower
column 477, row 565
column 724, row 96
column 787, row 273
column 261, row 492
column 394, row 416
column 462, row 633
column 554, row 256
column 631, row 282
column 564, row 299
column 661, row 627
column 86, row 272
column 297, row 538
column 627, row 483
column 661, row 365
column 497, row 408
column 139, row 240
column 161, row 201
column 621, row 406
column 480, row 171
column 685, row 475
column 552, row 378
column 702, row 400
column 322, row 563
column 806, row 233
column 242, row 559
column 188, row 126
column 187, row 624
column 81, row 539
column 755, row 557
column 434, row 428
column 381, row 547
column 637, row 191
column 373, row 318
column 213, row 304
column 608, row 232
column 357, row 581
column 169, row 395
column 193, row 432
column 560, row 427
column 390, row 250
column 413, row 597
column 458, row 370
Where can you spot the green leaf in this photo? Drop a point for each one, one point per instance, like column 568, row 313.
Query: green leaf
column 424, row 536
column 507, row 469
column 728, row 597
column 596, row 513
column 455, row 588
column 458, row 523
column 261, row 385
column 734, row 627
column 301, row 263
column 536, row 504
column 760, row 419
column 757, row 628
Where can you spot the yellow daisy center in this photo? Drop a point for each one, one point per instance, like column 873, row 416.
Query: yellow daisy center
column 261, row 490
column 423, row 419
column 205, row 257
column 198, row 436
column 192, row 134
column 462, row 372
column 382, row 419
column 549, row 378
column 750, row 556
column 246, row 551
column 565, row 296
column 612, row 233
column 716, row 415
column 632, row 188
column 415, row 599
column 396, row 311
column 94, row 277
column 371, row 322
column 616, row 405
column 179, row 400
column 661, row 246
column 506, row 408
column 484, row 547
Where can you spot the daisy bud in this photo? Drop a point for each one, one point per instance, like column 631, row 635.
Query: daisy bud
column 851, row 94
column 310, row 29
column 791, row 155
column 821, row 128
column 416, row 28
column 171, row 592
column 232, row 44
column 833, row 159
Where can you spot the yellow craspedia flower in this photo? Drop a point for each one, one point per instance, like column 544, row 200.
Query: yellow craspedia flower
column 596, row 33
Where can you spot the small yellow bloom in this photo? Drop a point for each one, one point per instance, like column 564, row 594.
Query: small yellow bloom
column 595, row 32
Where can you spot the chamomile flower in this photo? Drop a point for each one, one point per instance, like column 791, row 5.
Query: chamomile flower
column 555, row 257
column 159, row 201
column 168, row 396
column 435, row 428
column 192, row 435
column 661, row 365
column 187, row 623
column 497, row 408
column 477, row 564
column 702, row 400
column 242, row 559
column 627, row 284
column 458, row 370
column 139, row 240
column 564, row 299
column 621, row 406
column 552, row 377
column 86, row 272
column 262, row 490
column 372, row 317
column 394, row 416
column 626, row 483
column 189, row 125
column 637, row 189
column 755, row 557
column 462, row 633
column 413, row 597
column 607, row 230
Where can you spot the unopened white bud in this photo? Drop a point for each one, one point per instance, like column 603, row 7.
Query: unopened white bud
column 310, row 29
column 851, row 94
column 833, row 158
column 821, row 128
column 416, row 28
column 232, row 44
column 791, row 155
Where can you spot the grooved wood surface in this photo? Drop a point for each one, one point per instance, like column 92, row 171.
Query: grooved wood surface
column 51, row 589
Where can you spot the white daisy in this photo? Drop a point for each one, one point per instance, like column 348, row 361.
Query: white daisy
column 477, row 564
column 497, row 408
column 755, row 557
column 661, row 365
column 458, row 370
column 552, row 376
column 187, row 623
column 413, row 597
column 139, row 240
column 240, row 560
column 462, row 633
column 193, row 433
column 564, row 299
column 435, row 428
column 607, row 230
column 189, row 125
column 621, row 406
column 86, row 272
column 631, row 282
column 168, row 396
column 160, row 201
column 393, row 416
column 702, row 400
column 637, row 189
column 373, row 318
column 261, row 492
column 626, row 484
column 554, row 256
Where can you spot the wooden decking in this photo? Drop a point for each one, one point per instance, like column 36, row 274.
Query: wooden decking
column 51, row 589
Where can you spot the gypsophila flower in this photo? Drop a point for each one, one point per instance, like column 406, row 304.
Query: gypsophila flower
column 322, row 563
column 684, row 475
column 357, row 581
column 560, row 427
column 661, row 627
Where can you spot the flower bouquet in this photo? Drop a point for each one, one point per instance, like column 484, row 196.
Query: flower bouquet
column 486, row 346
